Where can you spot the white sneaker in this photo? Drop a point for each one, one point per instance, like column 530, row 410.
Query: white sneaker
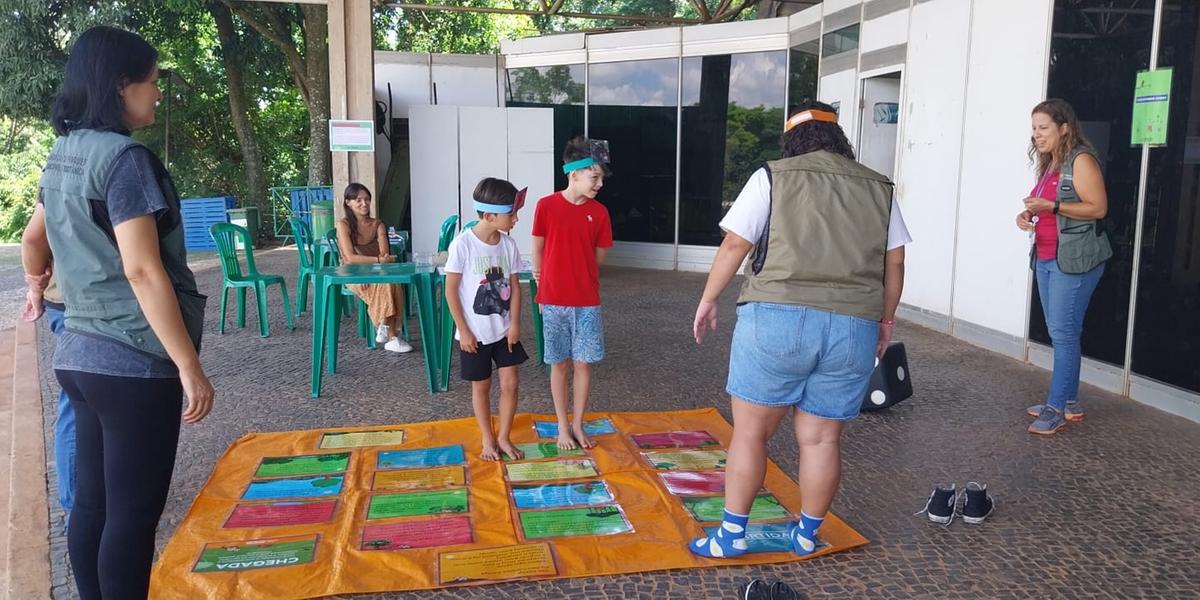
column 381, row 334
column 397, row 345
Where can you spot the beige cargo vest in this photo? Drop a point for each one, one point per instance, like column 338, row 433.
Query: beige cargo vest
column 825, row 242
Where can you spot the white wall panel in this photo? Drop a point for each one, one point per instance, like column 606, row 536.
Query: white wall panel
column 1009, row 51
column 530, row 163
column 840, row 89
column 433, row 135
column 927, row 179
column 888, row 30
column 482, row 152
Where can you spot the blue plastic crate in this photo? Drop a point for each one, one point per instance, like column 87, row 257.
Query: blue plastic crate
column 199, row 214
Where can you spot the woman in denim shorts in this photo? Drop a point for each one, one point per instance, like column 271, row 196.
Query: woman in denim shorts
column 817, row 308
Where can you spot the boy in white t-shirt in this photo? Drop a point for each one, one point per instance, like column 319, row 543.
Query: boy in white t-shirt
column 485, row 301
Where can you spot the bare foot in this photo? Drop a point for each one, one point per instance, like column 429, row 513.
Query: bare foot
column 584, row 440
column 490, row 450
column 512, row 451
column 565, row 441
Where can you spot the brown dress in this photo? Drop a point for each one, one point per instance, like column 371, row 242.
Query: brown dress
column 384, row 300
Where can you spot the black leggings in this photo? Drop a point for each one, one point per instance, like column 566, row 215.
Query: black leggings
column 126, row 433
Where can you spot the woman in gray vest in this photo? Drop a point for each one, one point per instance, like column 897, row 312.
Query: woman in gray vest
column 128, row 356
column 1063, row 215
column 816, row 309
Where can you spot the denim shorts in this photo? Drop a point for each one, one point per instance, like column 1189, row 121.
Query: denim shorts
column 572, row 333
column 816, row 361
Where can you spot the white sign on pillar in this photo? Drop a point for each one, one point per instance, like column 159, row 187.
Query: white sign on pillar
column 351, row 136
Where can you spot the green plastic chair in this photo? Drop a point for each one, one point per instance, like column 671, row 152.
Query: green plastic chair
column 305, row 270
column 226, row 235
column 471, row 224
column 449, row 228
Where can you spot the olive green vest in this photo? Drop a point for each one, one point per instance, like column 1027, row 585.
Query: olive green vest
column 87, row 264
column 825, row 241
column 1082, row 243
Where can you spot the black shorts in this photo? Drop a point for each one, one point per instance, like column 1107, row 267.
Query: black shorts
column 478, row 366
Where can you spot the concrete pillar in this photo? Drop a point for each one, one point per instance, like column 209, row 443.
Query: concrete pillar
column 351, row 90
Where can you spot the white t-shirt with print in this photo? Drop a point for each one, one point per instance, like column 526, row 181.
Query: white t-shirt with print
column 485, row 291
column 752, row 210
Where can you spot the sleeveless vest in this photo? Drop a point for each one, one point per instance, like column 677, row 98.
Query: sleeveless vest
column 87, row 263
column 1082, row 243
column 825, row 241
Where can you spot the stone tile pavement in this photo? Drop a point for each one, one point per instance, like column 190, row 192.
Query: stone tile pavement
column 1106, row 509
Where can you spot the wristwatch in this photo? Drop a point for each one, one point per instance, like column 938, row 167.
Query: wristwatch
column 1056, row 205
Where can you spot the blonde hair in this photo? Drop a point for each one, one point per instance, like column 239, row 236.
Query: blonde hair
column 1061, row 112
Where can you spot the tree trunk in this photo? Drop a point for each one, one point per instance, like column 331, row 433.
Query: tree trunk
column 316, row 60
column 239, row 109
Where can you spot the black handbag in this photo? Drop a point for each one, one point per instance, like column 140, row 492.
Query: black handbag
column 891, row 381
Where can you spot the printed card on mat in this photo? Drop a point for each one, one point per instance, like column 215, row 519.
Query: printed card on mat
column 766, row 507
column 220, row 557
column 412, row 504
column 694, row 483
column 420, row 479
column 674, row 439
column 295, row 466
column 549, row 429
column 596, row 520
column 357, row 439
column 686, row 460
column 551, row 470
column 556, row 495
column 421, row 457
column 764, row 537
column 281, row 514
column 536, row 450
column 449, row 531
column 493, row 564
column 296, row 487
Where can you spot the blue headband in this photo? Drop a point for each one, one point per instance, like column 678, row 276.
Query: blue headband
column 582, row 163
column 498, row 209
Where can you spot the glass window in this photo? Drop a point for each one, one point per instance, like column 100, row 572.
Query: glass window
column 559, row 87
column 1166, row 338
column 802, row 74
column 633, row 105
column 842, row 40
column 1094, row 59
column 732, row 120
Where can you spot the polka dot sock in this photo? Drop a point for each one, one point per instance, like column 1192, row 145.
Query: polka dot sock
column 804, row 534
column 729, row 541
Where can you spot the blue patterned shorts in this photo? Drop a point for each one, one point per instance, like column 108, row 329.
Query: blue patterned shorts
column 572, row 333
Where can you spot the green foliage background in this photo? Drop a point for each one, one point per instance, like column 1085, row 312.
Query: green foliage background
column 204, row 154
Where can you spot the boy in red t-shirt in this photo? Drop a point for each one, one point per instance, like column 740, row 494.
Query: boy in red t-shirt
column 571, row 234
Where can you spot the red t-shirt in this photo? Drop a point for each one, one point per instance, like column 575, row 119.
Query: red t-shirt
column 1046, row 230
column 572, row 232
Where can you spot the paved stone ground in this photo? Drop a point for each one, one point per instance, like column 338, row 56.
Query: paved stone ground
column 1106, row 509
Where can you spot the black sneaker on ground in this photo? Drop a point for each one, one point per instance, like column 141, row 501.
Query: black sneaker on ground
column 979, row 503
column 757, row 589
column 941, row 505
column 783, row 591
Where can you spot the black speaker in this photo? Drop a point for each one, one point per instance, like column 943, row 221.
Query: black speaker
column 891, row 381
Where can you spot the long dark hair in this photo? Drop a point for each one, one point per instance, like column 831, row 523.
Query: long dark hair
column 1061, row 112
column 815, row 135
column 351, row 193
column 102, row 60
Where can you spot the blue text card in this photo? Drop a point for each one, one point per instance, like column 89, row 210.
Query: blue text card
column 422, row 457
column 557, row 495
column 549, row 429
column 296, row 487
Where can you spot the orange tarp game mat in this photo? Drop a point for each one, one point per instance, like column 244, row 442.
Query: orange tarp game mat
column 300, row 514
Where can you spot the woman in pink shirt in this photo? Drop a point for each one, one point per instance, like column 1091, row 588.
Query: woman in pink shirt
column 1064, row 213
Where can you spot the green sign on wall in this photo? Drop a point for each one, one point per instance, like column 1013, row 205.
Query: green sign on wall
column 1151, row 104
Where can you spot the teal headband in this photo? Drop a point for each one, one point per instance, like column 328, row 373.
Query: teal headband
column 582, row 163
column 499, row 209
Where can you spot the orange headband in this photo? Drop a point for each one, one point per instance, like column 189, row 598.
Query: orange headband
column 809, row 115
